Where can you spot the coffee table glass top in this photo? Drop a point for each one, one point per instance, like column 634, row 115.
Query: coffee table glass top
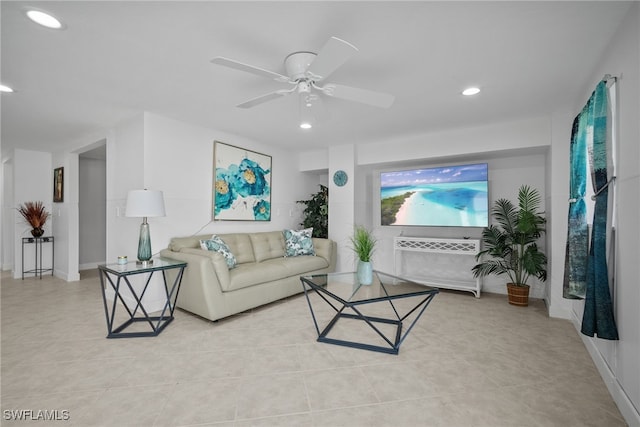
column 384, row 312
column 345, row 286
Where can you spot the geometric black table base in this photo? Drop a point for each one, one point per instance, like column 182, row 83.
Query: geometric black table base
column 117, row 277
column 38, row 241
column 349, row 299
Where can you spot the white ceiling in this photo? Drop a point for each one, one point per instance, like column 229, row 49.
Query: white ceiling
column 117, row 59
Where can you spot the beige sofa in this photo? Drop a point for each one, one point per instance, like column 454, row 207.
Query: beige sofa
column 262, row 274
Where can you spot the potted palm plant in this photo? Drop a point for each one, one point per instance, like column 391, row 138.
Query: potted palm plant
column 509, row 246
column 363, row 244
column 35, row 215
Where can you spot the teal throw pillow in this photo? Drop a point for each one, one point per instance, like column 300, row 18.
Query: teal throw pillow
column 298, row 242
column 218, row 245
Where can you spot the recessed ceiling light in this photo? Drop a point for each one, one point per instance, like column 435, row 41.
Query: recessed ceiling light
column 471, row 91
column 44, row 18
column 4, row 88
column 305, row 125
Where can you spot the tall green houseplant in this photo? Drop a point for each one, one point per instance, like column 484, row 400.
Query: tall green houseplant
column 510, row 245
column 316, row 212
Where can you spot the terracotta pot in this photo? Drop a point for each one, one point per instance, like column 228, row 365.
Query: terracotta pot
column 518, row 294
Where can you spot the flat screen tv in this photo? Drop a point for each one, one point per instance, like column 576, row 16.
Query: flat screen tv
column 447, row 196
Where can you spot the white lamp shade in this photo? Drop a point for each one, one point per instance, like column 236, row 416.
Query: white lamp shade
column 145, row 203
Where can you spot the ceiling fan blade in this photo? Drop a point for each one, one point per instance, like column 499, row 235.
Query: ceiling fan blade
column 333, row 54
column 231, row 63
column 264, row 98
column 377, row 99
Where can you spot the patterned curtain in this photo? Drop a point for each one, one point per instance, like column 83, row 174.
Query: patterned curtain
column 598, row 318
column 577, row 248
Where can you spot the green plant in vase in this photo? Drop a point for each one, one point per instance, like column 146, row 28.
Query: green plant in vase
column 363, row 244
column 35, row 215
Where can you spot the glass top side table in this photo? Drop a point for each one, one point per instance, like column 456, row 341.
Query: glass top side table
column 116, row 277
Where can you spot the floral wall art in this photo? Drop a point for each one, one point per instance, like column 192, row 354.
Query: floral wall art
column 241, row 184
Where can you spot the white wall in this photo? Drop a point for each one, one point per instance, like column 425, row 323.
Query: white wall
column 523, row 134
column 341, row 201
column 63, row 213
column 178, row 159
column 515, row 151
column 125, row 171
column 33, row 181
column 557, row 179
column 506, row 175
column 618, row 361
column 8, row 215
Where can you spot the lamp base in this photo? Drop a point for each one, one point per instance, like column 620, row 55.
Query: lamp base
column 147, row 263
column 144, row 242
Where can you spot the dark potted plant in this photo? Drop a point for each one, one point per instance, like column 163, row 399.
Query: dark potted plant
column 509, row 246
column 363, row 244
column 35, row 215
column 316, row 212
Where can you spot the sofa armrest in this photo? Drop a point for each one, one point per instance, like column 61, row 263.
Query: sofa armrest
column 219, row 263
column 327, row 249
column 201, row 292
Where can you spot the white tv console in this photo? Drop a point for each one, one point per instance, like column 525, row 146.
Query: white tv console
column 442, row 263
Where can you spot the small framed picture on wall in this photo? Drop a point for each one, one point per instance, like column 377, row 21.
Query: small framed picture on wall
column 58, row 185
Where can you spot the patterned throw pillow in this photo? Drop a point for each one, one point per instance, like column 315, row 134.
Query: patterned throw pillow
column 218, row 245
column 298, row 242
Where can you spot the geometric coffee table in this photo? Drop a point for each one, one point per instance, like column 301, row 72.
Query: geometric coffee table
column 384, row 312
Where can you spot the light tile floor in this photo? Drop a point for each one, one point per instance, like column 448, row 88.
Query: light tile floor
column 468, row 362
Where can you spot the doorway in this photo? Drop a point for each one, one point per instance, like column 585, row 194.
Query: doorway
column 92, row 207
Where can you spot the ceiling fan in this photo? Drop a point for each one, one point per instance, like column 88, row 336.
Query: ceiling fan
column 306, row 73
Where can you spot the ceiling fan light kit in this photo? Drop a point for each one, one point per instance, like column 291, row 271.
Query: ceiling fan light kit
column 305, row 71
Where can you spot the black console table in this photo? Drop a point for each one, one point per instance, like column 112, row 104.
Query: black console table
column 37, row 242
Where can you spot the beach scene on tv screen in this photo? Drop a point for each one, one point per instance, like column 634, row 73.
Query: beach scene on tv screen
column 451, row 196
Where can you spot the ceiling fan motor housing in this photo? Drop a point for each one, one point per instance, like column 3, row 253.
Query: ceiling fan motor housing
column 297, row 63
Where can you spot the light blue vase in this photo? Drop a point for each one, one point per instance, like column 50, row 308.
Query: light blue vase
column 144, row 242
column 365, row 272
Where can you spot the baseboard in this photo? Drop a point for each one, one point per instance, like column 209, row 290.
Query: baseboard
column 67, row 277
column 626, row 407
column 89, row 266
column 560, row 311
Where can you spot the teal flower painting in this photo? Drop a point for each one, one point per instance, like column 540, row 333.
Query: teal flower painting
column 223, row 191
column 242, row 184
column 262, row 211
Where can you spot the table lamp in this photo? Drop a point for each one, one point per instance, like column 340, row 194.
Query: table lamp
column 145, row 203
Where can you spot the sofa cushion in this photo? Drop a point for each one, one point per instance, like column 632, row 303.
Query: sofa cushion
column 250, row 274
column 267, row 245
column 304, row 264
column 241, row 246
column 298, row 242
column 215, row 243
